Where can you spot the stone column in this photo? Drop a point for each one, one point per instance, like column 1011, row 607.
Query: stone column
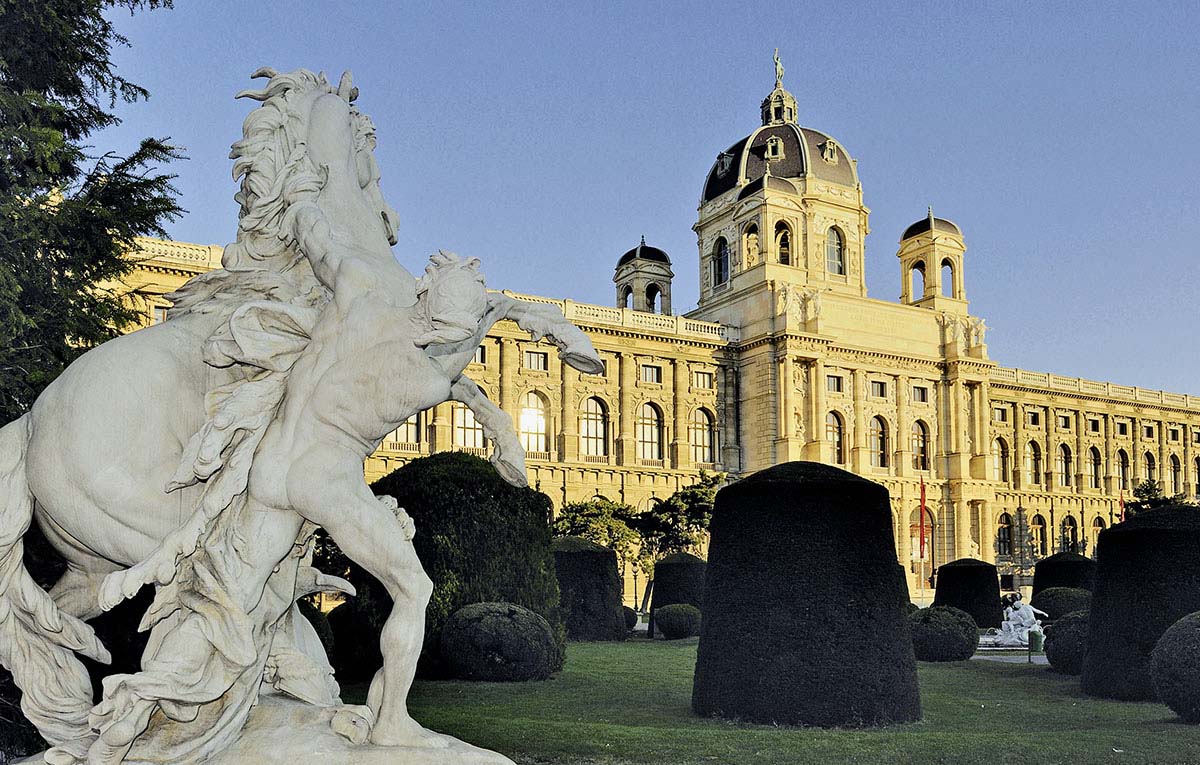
column 568, row 440
column 1135, row 453
column 860, row 456
column 816, row 390
column 681, row 457
column 510, row 366
column 1164, row 466
column 441, row 429
column 1081, row 469
column 987, row 532
column 1019, row 478
column 787, row 385
column 624, row 440
column 903, row 446
column 730, row 452
column 1110, row 455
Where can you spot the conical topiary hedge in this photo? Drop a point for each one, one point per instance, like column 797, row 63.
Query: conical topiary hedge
column 1147, row 578
column 803, row 622
column 589, row 588
column 973, row 586
column 678, row 578
column 1064, row 569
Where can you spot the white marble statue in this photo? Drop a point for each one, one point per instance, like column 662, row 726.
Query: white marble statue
column 1020, row 619
column 200, row 454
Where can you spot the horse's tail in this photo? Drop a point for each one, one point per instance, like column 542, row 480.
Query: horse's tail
column 37, row 641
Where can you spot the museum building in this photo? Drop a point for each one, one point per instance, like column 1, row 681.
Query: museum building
column 787, row 358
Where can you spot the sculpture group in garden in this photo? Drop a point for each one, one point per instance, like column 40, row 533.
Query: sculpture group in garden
column 200, row 454
column 1020, row 619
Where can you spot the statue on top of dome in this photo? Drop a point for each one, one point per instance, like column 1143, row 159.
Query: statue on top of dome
column 778, row 70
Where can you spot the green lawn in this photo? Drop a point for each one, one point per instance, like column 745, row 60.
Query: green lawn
column 629, row 703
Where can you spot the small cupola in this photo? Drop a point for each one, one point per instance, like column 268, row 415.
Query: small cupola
column 931, row 265
column 643, row 278
column 779, row 107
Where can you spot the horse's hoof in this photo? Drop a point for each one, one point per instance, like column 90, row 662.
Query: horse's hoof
column 352, row 723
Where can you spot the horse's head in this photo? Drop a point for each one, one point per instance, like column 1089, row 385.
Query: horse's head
column 451, row 301
column 306, row 142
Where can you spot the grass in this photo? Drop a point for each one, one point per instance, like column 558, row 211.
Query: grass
column 623, row 703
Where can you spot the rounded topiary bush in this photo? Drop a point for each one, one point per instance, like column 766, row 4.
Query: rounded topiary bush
column 816, row 637
column 1057, row 602
column 1147, row 578
column 973, row 586
column 678, row 578
column 479, row 539
column 678, row 620
column 631, row 617
column 1175, row 667
column 943, row 633
column 1064, row 569
column 911, row 607
column 590, row 589
column 499, row 642
column 1066, row 642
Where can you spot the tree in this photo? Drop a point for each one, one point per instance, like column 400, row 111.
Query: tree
column 601, row 521
column 678, row 523
column 67, row 219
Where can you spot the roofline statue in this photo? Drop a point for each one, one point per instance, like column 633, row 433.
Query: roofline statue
column 269, row 384
column 778, row 70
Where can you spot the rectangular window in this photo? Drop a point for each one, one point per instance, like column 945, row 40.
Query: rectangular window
column 480, row 355
column 1196, row 435
column 537, row 360
column 1034, row 418
column 878, row 389
column 160, row 314
column 1148, row 431
column 702, row 380
column 1064, row 422
column 1174, row 433
column 1093, row 425
column 1000, row 414
column 651, row 374
column 921, row 394
column 833, row 383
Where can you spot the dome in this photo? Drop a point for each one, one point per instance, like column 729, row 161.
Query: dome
column 645, row 252
column 929, row 222
column 800, row 151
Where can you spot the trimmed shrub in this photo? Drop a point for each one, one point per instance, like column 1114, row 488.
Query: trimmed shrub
column 973, row 586
column 678, row 620
column 631, row 617
column 1066, row 642
column 943, row 633
column 817, row 637
column 1147, row 578
column 356, row 654
column 590, row 588
column 479, row 539
column 1057, row 602
column 911, row 608
column 1175, row 665
column 1064, row 569
column 499, row 642
column 678, row 578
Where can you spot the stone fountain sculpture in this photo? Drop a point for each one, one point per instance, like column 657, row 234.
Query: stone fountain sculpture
column 199, row 456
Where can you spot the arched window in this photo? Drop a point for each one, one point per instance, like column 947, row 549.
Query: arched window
column 999, row 460
column 1064, row 465
column 720, row 262
column 1097, row 527
column 879, row 443
column 468, row 433
column 649, row 433
column 1122, row 470
column 702, row 435
column 783, row 243
column 535, row 436
column 914, row 538
column 593, row 428
column 1070, row 534
column 1176, row 475
column 653, row 295
column 750, row 245
column 948, row 278
column 1095, row 467
column 835, row 252
column 1004, row 535
column 1037, row 535
column 920, row 446
column 627, row 297
column 835, row 434
column 917, row 280
column 1033, row 463
column 1148, row 461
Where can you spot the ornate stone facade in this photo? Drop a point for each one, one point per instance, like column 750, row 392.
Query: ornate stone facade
column 787, row 358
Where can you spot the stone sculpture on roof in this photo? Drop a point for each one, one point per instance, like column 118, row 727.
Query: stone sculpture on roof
column 273, row 379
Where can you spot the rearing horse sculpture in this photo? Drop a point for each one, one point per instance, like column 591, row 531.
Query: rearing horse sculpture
column 198, row 455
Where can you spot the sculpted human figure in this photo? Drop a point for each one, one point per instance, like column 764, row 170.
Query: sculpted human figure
column 277, row 375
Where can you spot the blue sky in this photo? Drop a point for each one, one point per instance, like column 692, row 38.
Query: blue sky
column 546, row 139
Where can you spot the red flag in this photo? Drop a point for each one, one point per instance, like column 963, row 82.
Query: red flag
column 1122, row 500
column 922, row 522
